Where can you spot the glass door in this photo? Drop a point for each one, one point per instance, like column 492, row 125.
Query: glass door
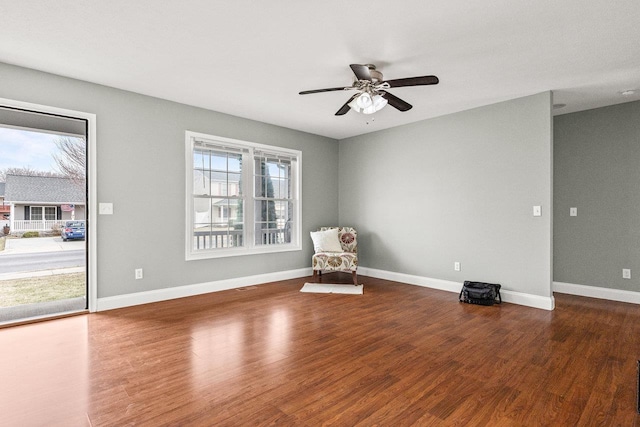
column 43, row 227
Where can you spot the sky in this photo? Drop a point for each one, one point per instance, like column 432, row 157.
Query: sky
column 21, row 148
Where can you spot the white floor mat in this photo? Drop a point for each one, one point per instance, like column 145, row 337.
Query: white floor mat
column 329, row 288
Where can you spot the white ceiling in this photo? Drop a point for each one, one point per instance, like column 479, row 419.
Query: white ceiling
column 251, row 58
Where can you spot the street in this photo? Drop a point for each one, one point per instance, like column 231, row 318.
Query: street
column 20, row 262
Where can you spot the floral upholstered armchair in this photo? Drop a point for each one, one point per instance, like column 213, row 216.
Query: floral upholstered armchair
column 336, row 249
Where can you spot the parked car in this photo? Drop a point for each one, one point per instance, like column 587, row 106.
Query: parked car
column 73, row 230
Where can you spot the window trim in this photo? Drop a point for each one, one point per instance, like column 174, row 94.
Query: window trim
column 55, row 212
column 31, row 212
column 250, row 247
column 43, row 212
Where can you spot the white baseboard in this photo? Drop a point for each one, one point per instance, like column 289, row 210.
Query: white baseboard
column 529, row 300
column 127, row 300
column 520, row 298
column 597, row 292
column 443, row 285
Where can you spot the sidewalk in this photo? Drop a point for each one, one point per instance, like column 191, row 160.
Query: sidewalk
column 40, row 244
column 40, row 273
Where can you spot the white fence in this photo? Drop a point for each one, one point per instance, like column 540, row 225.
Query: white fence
column 31, row 225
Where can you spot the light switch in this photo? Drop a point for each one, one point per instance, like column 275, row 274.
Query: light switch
column 573, row 211
column 537, row 211
column 105, row 208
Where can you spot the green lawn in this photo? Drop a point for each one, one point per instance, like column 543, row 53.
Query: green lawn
column 41, row 289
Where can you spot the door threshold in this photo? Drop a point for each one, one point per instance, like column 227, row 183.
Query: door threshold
column 43, row 318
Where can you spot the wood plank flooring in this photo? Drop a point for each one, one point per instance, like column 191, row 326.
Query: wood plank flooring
column 398, row 355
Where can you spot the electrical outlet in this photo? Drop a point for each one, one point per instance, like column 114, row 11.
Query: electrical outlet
column 456, row 266
column 626, row 273
column 573, row 211
column 537, row 211
column 139, row 274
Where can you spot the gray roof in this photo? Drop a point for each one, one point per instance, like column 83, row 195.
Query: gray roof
column 42, row 189
column 1, row 189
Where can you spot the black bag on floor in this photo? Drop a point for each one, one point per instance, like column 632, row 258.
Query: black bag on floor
column 480, row 293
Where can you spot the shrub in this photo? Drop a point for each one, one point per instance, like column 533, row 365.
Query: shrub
column 56, row 230
column 31, row 234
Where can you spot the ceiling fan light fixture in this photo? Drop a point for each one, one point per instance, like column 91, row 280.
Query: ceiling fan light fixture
column 367, row 104
column 379, row 102
column 364, row 100
column 354, row 104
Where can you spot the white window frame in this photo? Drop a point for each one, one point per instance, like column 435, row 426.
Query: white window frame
column 55, row 212
column 32, row 210
column 43, row 213
column 249, row 248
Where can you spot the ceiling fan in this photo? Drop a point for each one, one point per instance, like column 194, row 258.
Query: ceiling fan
column 372, row 92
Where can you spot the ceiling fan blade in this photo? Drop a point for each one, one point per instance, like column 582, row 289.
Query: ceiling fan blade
column 396, row 102
column 361, row 71
column 413, row 81
column 345, row 108
column 331, row 89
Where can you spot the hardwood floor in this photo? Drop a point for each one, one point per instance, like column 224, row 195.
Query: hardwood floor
column 397, row 355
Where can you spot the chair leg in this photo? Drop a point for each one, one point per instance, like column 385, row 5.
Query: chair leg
column 315, row 275
column 355, row 278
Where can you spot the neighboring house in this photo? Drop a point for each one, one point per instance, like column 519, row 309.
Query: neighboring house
column 38, row 203
column 220, row 212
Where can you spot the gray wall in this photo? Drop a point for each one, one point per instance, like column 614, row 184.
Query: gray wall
column 596, row 169
column 140, row 155
column 456, row 188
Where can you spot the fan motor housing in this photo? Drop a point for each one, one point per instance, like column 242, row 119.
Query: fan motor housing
column 376, row 76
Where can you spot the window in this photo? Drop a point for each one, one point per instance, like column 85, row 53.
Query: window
column 50, row 213
column 242, row 197
column 36, row 213
column 273, row 198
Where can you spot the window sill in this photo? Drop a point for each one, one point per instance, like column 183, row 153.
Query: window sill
column 232, row 252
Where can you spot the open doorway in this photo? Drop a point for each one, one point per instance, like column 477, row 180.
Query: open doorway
column 43, row 222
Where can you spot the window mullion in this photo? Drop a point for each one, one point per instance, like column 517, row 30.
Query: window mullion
column 248, row 197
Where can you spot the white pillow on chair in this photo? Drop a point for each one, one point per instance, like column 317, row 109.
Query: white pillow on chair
column 326, row 241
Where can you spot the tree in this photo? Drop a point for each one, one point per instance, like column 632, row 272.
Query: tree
column 268, row 209
column 71, row 159
column 25, row 171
